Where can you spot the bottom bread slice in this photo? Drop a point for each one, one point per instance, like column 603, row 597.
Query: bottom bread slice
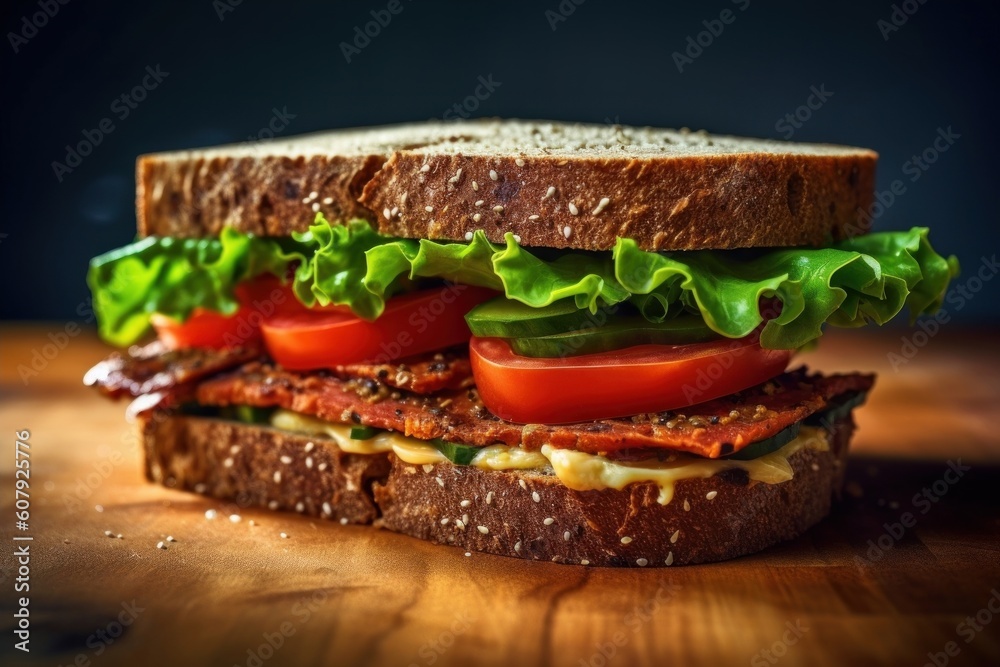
column 525, row 514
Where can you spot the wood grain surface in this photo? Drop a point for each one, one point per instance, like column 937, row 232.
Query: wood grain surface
column 237, row 593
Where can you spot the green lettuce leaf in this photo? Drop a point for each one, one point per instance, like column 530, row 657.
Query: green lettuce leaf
column 866, row 279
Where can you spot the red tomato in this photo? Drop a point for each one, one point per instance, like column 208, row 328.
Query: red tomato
column 259, row 299
column 413, row 323
column 644, row 378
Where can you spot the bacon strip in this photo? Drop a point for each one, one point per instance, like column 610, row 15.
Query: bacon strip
column 712, row 429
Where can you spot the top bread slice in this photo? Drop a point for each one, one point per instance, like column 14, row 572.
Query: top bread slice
column 558, row 185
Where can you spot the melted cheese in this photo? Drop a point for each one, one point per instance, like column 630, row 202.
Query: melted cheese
column 577, row 470
column 585, row 472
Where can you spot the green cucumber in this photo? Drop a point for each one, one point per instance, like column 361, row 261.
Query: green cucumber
column 248, row 414
column 837, row 409
column 504, row 318
column 768, row 445
column 619, row 334
column 457, row 453
column 364, row 432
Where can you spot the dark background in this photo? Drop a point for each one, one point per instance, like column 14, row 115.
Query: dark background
column 609, row 61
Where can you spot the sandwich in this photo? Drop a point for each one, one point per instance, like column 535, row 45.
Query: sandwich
column 563, row 342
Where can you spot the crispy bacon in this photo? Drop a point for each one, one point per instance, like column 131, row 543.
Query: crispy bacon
column 712, row 429
column 424, row 374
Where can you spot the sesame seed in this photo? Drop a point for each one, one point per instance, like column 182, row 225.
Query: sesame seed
column 465, row 503
column 523, row 484
column 315, row 207
column 641, row 562
column 600, row 205
column 428, row 467
column 534, row 496
column 235, row 518
column 519, row 162
column 483, row 529
column 286, row 459
column 573, row 210
column 234, row 450
column 313, row 194
column 493, row 174
column 468, row 554
column 277, row 476
column 439, row 481
column 394, row 212
column 272, row 504
column 815, row 467
column 477, row 217
column 480, row 202
column 468, row 236
column 108, row 533
column 517, row 238
column 498, row 209
column 99, row 508
column 299, row 507
column 321, row 467
column 673, row 538
column 687, row 505
column 584, row 562
column 626, row 539
column 429, row 209
column 309, row 446
column 402, row 198
column 327, row 509
column 171, row 538
column 475, row 186
column 465, row 519
column 670, row 559
column 532, row 217
column 567, row 535
column 517, row 546
column 328, row 200
column 425, row 168
column 489, row 498
column 252, row 522
column 161, row 545
column 459, row 524
column 454, row 179
column 228, row 463
column 711, row 495
column 445, row 521
column 549, row 521
column 551, row 191
column 305, row 200
column 567, row 231
column 283, row 536
column 343, row 521
column 210, row 514
column 200, row 487
column 309, row 462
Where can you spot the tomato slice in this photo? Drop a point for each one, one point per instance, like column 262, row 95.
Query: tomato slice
column 413, row 323
column 259, row 298
column 634, row 380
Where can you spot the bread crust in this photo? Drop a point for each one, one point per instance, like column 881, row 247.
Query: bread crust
column 239, row 462
column 258, row 466
column 416, row 181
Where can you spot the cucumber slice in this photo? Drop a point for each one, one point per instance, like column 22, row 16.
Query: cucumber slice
column 457, row 453
column 247, row 414
column 364, row 432
column 615, row 336
column 837, row 410
column 505, row 318
column 772, row 444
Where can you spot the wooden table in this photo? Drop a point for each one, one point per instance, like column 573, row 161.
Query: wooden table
column 238, row 594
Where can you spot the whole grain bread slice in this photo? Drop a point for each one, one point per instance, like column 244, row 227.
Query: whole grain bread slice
column 559, row 185
column 522, row 514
